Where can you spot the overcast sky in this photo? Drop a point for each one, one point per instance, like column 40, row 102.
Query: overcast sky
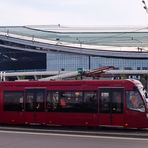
column 73, row 12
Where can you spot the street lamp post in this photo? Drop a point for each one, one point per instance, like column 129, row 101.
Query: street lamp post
column 145, row 6
column 146, row 9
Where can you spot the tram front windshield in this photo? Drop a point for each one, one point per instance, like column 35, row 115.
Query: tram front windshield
column 143, row 92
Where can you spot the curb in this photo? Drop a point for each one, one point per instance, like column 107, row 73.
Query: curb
column 128, row 133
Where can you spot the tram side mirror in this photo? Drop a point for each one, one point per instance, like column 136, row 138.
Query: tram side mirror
column 145, row 93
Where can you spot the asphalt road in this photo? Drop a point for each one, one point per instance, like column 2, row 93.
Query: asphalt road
column 30, row 139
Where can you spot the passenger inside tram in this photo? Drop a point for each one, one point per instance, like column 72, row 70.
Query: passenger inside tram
column 134, row 101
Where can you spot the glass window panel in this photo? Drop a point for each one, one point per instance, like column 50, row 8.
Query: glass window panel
column 104, row 104
column 13, row 101
column 90, row 103
column 134, row 101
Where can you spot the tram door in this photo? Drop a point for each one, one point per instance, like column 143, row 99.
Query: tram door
column 35, row 105
column 111, row 106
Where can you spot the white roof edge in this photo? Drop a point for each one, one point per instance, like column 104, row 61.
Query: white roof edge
column 64, row 29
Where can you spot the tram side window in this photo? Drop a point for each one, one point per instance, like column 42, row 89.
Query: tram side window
column 104, row 104
column 13, row 100
column 52, row 101
column 29, row 105
column 117, row 102
column 134, row 101
column 40, row 101
column 90, row 103
column 70, row 101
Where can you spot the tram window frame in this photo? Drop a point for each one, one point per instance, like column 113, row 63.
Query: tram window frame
column 12, row 101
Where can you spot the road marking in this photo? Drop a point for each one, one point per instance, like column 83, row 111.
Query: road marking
column 71, row 135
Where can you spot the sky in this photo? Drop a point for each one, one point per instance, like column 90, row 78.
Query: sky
column 73, row 12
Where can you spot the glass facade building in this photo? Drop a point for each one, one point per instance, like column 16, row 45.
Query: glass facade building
column 19, row 53
column 70, row 62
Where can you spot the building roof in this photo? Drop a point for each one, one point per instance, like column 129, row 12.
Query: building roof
column 116, row 37
column 96, row 43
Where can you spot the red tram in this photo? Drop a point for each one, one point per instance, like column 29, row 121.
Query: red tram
column 77, row 103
